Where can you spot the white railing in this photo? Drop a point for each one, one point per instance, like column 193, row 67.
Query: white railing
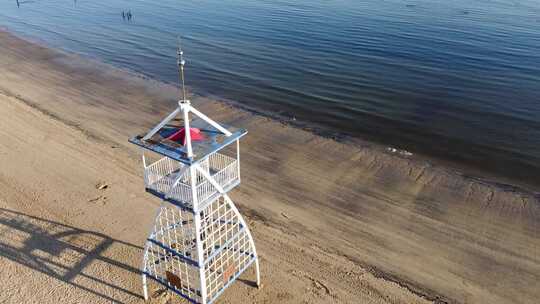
column 162, row 174
column 223, row 177
column 157, row 176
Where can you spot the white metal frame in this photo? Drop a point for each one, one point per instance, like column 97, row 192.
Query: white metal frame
column 200, row 244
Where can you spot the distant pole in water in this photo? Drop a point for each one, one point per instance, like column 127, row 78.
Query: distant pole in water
column 181, row 62
column 18, row 4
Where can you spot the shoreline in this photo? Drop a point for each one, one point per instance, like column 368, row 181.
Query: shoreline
column 422, row 226
column 465, row 168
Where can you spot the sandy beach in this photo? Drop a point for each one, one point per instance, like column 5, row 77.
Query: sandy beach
column 334, row 222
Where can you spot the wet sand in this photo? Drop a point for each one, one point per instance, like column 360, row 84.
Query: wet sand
column 334, row 222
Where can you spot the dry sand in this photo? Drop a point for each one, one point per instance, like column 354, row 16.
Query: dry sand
column 333, row 222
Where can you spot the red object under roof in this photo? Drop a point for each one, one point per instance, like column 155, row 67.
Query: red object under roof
column 180, row 135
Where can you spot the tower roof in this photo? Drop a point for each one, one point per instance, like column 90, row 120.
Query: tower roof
column 208, row 140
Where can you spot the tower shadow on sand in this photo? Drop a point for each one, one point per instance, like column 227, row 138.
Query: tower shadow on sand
column 64, row 252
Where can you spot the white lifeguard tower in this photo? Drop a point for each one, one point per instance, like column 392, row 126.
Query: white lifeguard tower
column 200, row 244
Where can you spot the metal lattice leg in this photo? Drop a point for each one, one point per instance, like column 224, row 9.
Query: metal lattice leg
column 171, row 254
column 252, row 242
column 145, row 287
column 199, row 255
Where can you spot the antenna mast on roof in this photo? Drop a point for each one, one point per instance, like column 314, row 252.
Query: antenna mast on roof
column 181, row 62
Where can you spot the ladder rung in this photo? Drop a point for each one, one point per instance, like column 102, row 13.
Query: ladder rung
column 174, row 252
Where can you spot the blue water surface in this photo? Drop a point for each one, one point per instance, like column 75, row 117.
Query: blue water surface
column 457, row 79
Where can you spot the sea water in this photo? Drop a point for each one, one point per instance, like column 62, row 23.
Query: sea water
column 458, row 80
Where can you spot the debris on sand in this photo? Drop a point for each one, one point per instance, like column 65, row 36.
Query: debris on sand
column 400, row 152
column 101, row 198
column 95, row 199
column 102, row 186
